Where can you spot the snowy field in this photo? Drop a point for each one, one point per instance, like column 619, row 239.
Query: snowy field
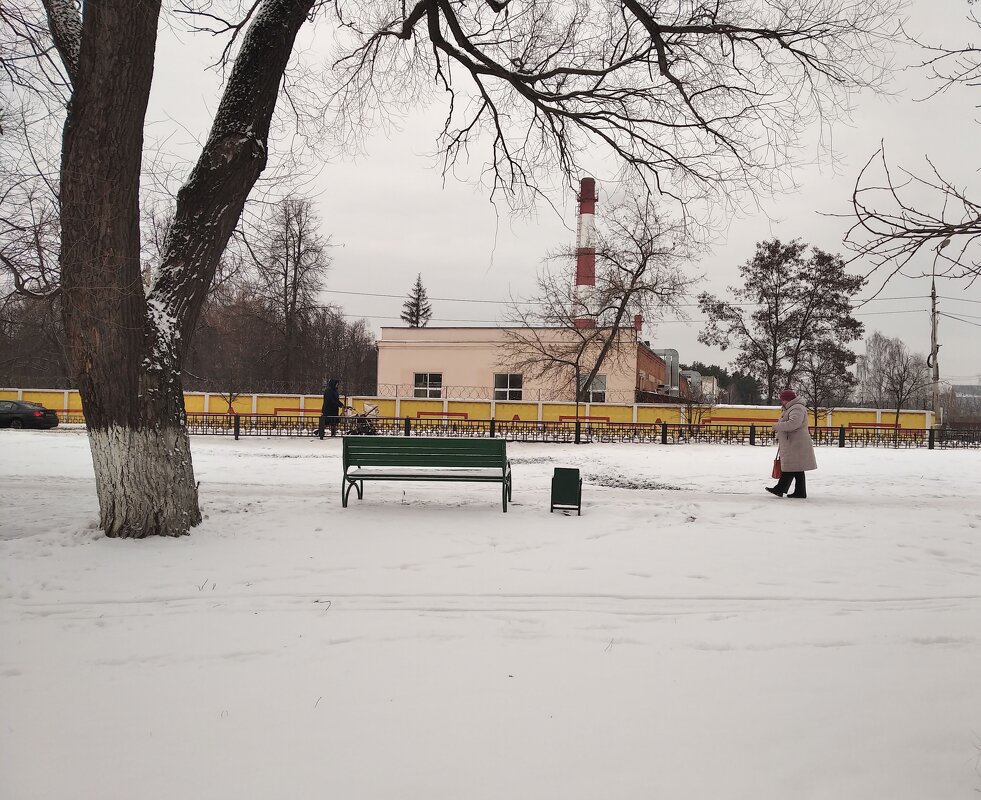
column 689, row 636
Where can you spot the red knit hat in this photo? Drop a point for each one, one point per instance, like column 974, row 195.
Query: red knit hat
column 787, row 395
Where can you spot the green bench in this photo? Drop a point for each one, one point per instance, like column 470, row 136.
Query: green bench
column 397, row 458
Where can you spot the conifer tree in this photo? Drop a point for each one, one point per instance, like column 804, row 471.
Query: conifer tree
column 417, row 310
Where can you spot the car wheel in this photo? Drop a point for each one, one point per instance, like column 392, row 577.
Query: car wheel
column 16, row 423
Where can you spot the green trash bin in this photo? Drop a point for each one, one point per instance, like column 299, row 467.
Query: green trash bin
column 566, row 490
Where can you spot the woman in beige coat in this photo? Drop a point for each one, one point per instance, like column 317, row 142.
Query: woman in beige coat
column 794, row 446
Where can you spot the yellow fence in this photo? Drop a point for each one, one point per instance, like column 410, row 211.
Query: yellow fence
column 68, row 402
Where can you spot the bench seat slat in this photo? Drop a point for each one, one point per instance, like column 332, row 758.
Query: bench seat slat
column 427, row 462
column 425, row 475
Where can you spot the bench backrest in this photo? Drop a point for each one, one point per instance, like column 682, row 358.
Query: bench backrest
column 423, row 451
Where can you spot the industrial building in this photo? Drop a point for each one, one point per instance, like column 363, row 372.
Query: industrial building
column 472, row 364
column 479, row 363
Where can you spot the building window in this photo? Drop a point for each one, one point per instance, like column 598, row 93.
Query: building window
column 428, row 384
column 597, row 389
column 507, row 386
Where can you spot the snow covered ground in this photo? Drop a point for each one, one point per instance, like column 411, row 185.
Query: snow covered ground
column 689, row 636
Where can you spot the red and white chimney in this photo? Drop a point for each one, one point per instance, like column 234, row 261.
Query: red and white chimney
column 585, row 251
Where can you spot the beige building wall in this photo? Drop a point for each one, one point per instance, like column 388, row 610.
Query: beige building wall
column 468, row 358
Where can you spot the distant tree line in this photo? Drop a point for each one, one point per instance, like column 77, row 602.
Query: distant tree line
column 32, row 343
column 261, row 329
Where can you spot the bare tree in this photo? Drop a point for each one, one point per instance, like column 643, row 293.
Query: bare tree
column 893, row 374
column 962, row 406
column 349, row 352
column 27, row 61
column 681, row 94
column 29, row 236
column 126, row 347
column 32, row 339
column 238, row 348
column 289, row 263
column 825, row 381
column 639, row 258
column 899, row 213
column 694, row 99
column 231, row 344
column 698, row 406
column 32, row 342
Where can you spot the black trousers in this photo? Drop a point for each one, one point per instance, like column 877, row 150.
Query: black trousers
column 800, row 485
column 328, row 422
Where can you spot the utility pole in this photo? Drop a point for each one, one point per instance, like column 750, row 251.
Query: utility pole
column 934, row 346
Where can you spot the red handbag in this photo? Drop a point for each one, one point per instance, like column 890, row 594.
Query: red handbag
column 777, row 472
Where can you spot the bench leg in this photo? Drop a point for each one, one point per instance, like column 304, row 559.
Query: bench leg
column 504, row 497
column 346, row 485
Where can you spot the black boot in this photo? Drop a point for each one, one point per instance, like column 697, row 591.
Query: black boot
column 782, row 485
column 800, row 486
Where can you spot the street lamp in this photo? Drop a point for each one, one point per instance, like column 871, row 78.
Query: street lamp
column 934, row 347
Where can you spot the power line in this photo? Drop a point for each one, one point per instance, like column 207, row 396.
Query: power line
column 968, row 316
column 965, row 321
column 878, row 313
column 403, row 297
column 489, row 322
column 658, row 322
column 857, row 303
column 432, row 319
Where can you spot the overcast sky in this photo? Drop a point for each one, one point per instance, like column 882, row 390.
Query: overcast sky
column 391, row 216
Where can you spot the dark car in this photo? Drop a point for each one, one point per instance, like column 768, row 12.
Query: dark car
column 18, row 414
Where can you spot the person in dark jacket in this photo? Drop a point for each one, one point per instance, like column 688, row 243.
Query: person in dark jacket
column 795, row 448
column 331, row 409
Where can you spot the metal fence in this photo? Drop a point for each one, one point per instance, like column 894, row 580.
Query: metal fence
column 408, row 391
column 569, row 431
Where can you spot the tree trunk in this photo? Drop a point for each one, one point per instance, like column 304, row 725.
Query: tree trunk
column 104, row 306
column 126, row 350
column 144, row 480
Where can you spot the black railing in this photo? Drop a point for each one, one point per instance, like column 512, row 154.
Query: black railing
column 953, row 438
column 565, row 431
column 718, row 434
column 889, row 437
